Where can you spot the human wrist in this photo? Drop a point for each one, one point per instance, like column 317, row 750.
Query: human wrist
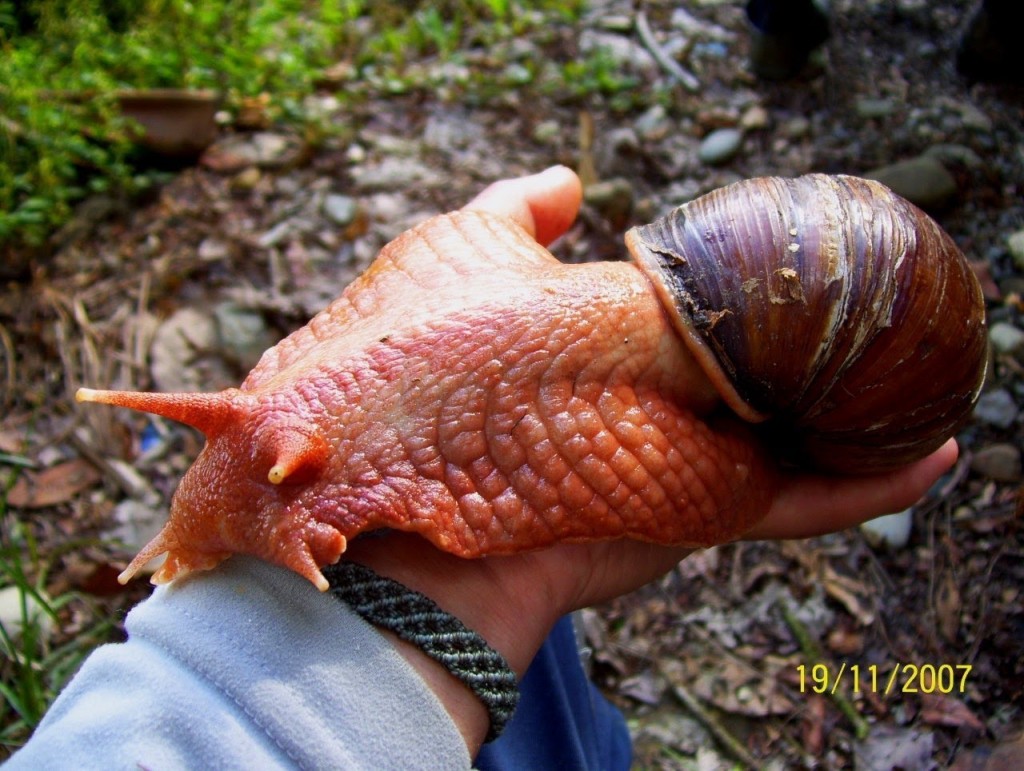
column 480, row 598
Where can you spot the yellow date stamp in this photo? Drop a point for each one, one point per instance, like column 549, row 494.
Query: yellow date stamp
column 902, row 679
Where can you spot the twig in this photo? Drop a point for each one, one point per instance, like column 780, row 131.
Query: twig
column 813, row 653
column 10, row 364
column 686, row 79
column 722, row 734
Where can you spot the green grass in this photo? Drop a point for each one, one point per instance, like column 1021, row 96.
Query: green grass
column 62, row 138
column 37, row 656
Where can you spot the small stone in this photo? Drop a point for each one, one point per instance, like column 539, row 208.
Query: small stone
column 795, row 128
column 340, row 209
column 953, row 156
column 720, row 146
column 871, row 109
column 755, row 118
column 395, row 173
column 612, row 198
column 624, row 51
column 923, row 181
column 1015, row 245
column 264, row 149
column 999, row 462
column 996, row 408
column 547, row 132
column 275, row 235
column 892, row 530
column 13, row 614
column 212, row 249
column 653, row 124
column 246, row 179
column 242, row 334
column 355, row 153
column 1006, row 338
column 180, row 348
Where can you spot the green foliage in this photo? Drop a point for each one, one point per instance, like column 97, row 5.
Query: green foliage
column 62, row 61
column 33, row 670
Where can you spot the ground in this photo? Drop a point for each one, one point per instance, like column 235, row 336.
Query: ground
column 836, row 652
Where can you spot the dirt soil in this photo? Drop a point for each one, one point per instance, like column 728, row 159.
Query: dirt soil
column 714, row 665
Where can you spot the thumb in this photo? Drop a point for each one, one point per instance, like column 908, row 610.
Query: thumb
column 544, row 204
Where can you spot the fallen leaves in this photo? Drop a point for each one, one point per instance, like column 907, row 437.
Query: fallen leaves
column 52, row 486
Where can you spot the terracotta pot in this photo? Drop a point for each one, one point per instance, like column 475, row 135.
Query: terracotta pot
column 178, row 123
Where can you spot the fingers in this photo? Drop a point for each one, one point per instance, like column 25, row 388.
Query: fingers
column 814, row 505
column 544, row 204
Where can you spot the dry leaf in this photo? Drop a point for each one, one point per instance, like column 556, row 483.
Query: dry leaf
column 814, row 726
column 947, row 606
column 940, row 709
column 57, row 484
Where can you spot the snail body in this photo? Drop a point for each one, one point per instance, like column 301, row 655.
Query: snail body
column 471, row 388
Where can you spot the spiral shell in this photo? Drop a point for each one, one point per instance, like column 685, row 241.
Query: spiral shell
column 828, row 307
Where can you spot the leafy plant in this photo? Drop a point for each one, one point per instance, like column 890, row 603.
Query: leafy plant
column 61, row 61
column 33, row 671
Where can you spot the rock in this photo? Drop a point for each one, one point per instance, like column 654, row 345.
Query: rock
column 246, row 179
column 755, row 118
column 1006, row 338
column 1000, row 462
column 996, row 408
column 340, row 209
column 654, row 124
column 182, row 355
column 871, row 109
column 624, row 51
column 263, row 149
column 923, row 181
column 275, row 235
column 392, row 173
column 212, row 249
column 720, row 146
column 1015, row 245
column 796, row 127
column 242, row 334
column 135, row 523
column 612, row 198
column 547, row 132
column 892, row 530
column 451, row 130
column 12, row 618
column 954, row 156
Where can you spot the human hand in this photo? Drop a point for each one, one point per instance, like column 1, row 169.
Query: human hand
column 513, row 601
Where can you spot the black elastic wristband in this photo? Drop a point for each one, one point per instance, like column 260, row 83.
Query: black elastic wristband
column 418, row 620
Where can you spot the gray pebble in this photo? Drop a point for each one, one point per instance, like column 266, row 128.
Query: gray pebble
column 875, row 108
column 923, row 181
column 720, row 146
column 1015, row 245
column 242, row 333
column 996, row 408
column 340, row 209
column 1006, row 338
column 1000, row 462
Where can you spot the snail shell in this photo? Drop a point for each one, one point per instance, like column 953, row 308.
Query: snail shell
column 828, row 307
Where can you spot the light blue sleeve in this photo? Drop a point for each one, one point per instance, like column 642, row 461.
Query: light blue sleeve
column 247, row 666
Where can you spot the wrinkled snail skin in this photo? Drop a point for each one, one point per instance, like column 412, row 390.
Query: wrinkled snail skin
column 470, row 388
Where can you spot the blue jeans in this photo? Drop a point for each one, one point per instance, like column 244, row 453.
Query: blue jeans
column 563, row 721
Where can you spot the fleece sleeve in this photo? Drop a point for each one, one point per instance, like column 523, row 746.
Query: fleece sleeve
column 246, row 666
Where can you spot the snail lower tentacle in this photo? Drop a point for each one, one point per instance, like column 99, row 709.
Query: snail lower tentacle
column 472, row 389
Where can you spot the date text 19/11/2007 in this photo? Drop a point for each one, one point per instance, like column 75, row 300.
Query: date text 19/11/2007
column 904, row 678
